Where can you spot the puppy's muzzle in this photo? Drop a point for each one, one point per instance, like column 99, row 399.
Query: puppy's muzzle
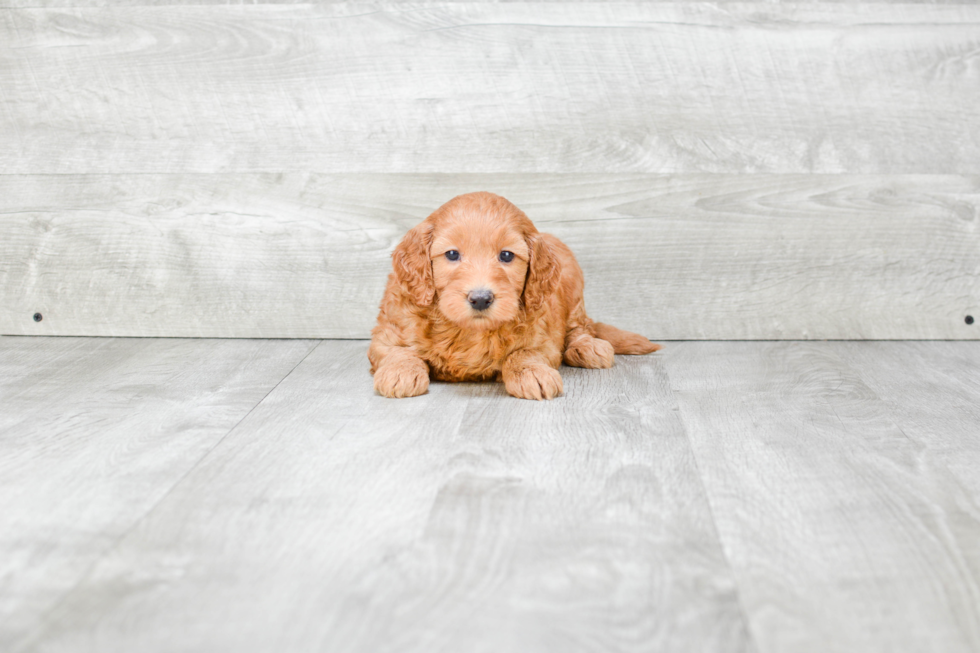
column 480, row 299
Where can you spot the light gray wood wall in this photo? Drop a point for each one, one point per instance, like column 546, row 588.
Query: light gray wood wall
column 306, row 255
column 722, row 170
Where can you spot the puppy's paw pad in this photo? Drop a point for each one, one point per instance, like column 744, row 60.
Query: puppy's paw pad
column 539, row 382
column 396, row 381
column 592, row 353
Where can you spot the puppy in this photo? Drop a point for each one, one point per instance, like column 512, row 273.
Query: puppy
column 478, row 294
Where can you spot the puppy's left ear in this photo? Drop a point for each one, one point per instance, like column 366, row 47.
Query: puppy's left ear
column 543, row 272
column 412, row 264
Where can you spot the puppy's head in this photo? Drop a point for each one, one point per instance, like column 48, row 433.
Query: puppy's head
column 480, row 259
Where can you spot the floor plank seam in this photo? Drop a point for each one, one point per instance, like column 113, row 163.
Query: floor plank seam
column 108, row 550
column 749, row 630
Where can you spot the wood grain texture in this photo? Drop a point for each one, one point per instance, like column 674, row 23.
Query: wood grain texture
column 843, row 533
column 95, row 432
column 672, row 257
column 932, row 391
column 332, row 519
column 486, row 87
column 27, row 4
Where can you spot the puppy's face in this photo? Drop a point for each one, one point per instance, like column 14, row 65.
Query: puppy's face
column 479, row 265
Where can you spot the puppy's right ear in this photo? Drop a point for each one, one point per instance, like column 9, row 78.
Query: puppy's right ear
column 412, row 264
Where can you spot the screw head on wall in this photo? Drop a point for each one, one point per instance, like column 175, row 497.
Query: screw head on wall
column 38, row 317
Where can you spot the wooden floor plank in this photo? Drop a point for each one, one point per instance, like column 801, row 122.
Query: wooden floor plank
column 844, row 534
column 93, row 432
column 463, row 520
column 932, row 390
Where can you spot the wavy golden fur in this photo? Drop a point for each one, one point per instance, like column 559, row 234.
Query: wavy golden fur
column 504, row 304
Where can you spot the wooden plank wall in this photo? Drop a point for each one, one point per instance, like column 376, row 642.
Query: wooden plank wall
column 726, row 170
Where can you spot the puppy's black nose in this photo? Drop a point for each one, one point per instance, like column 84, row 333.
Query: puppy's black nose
column 480, row 299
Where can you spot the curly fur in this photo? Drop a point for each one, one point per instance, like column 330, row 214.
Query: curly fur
column 427, row 328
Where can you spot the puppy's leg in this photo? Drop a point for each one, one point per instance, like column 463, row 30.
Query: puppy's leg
column 582, row 349
column 401, row 373
column 527, row 375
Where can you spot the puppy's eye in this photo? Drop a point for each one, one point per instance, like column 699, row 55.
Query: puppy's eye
column 452, row 255
column 506, row 256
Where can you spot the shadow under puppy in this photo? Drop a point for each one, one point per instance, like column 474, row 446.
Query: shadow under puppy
column 478, row 294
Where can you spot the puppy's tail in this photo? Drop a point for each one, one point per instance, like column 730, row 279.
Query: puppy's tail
column 625, row 342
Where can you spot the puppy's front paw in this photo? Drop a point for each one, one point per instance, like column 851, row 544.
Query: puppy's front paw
column 402, row 379
column 534, row 382
column 593, row 353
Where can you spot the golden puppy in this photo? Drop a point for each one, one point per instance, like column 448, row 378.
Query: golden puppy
column 477, row 293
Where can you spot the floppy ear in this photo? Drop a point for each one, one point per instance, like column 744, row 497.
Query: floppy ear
column 412, row 264
column 543, row 272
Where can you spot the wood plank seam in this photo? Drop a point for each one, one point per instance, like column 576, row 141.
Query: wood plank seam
column 725, row 551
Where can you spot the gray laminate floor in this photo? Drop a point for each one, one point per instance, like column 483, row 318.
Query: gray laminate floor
column 245, row 495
